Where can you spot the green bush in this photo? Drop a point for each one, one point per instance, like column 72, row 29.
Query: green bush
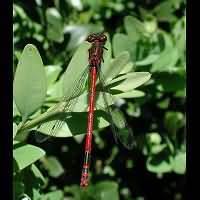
column 146, row 39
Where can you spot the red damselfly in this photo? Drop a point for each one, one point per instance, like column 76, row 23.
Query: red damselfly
column 118, row 123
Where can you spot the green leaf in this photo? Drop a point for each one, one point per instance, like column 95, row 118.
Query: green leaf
column 134, row 28
column 70, row 128
column 148, row 60
column 116, row 66
column 130, row 94
column 133, row 110
column 179, row 164
column 55, row 28
column 128, row 68
column 164, row 11
column 55, row 195
column 25, row 155
column 155, row 149
column 52, row 72
column 154, row 138
column 55, row 91
column 122, row 42
column 130, row 81
column 166, row 61
column 173, row 121
column 164, row 104
column 30, row 82
column 106, row 190
column 14, row 130
column 76, row 67
column 37, row 173
column 53, row 166
column 160, row 163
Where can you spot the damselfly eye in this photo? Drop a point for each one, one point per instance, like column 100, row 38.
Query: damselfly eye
column 91, row 38
column 103, row 38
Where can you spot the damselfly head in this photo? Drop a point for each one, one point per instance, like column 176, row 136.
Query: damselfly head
column 101, row 37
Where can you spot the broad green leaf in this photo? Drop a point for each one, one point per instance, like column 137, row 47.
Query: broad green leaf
column 25, row 155
column 148, row 60
column 154, row 138
column 55, row 91
column 76, row 67
column 130, row 94
column 118, row 117
column 164, row 40
column 106, row 190
column 179, row 164
column 55, row 27
column 155, row 149
column 29, row 82
column 181, row 93
column 122, row 42
column 160, row 163
column 52, row 72
column 116, row 66
column 70, row 128
column 134, row 28
column 55, row 195
column 53, row 166
column 151, row 26
column 37, row 173
column 133, row 110
column 164, row 104
column 173, row 121
column 130, row 81
column 179, row 32
column 20, row 11
column 77, row 4
column 166, row 61
column 128, row 68
column 14, row 130
column 164, row 11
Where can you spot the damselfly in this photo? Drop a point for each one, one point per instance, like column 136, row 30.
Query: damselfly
column 118, row 123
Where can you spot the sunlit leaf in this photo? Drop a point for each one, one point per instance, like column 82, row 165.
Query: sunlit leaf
column 54, row 195
column 25, row 155
column 52, row 72
column 55, row 28
column 122, row 42
column 116, row 66
column 30, row 82
column 134, row 27
column 130, row 81
column 179, row 164
column 76, row 67
column 53, row 166
column 160, row 163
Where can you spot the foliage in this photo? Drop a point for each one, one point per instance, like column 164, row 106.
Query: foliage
column 49, row 57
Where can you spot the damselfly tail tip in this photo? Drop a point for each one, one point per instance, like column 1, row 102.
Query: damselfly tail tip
column 84, row 180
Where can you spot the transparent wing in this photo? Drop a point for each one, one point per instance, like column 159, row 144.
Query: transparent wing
column 121, row 131
column 65, row 106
